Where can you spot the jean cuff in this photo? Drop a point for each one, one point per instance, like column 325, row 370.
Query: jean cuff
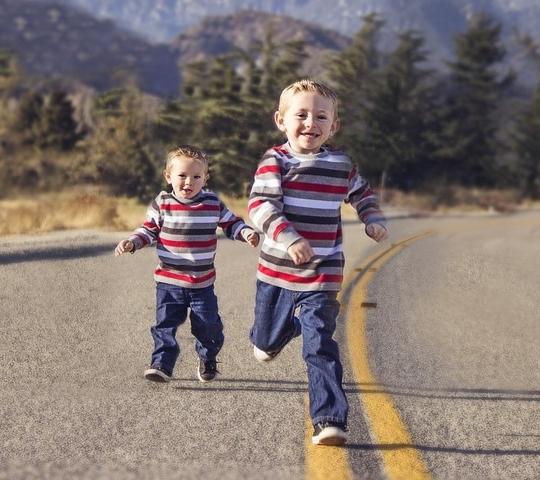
column 321, row 419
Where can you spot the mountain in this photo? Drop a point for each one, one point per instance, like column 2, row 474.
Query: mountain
column 56, row 41
column 217, row 35
column 439, row 20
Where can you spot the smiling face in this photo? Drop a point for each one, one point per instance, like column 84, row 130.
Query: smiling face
column 187, row 176
column 308, row 121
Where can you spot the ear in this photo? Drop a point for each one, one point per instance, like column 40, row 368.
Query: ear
column 278, row 119
column 335, row 127
column 167, row 176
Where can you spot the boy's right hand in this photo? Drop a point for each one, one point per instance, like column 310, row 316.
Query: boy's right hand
column 123, row 247
column 301, row 251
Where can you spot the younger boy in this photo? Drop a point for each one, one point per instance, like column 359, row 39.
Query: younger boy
column 296, row 200
column 183, row 225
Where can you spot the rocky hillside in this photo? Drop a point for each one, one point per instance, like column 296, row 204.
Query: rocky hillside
column 218, row 35
column 55, row 41
column 162, row 20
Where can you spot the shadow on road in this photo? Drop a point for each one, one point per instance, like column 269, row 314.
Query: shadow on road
column 55, row 253
column 279, row 386
column 426, row 448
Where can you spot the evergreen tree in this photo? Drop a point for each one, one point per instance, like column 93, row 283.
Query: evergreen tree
column 399, row 120
column 526, row 143
column 10, row 75
column 27, row 125
column 120, row 151
column 227, row 109
column 211, row 115
column 353, row 73
column 58, row 127
column 467, row 143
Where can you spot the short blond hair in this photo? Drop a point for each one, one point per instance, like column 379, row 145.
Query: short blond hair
column 311, row 86
column 186, row 151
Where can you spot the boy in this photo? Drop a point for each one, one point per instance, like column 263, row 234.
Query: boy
column 296, row 200
column 183, row 226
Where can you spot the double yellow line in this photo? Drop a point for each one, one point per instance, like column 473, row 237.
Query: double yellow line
column 401, row 460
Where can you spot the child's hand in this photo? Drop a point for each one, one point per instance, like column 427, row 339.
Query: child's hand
column 377, row 232
column 300, row 251
column 252, row 238
column 123, row 247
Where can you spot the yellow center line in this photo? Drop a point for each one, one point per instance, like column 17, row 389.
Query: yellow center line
column 332, row 463
column 401, row 459
column 323, row 462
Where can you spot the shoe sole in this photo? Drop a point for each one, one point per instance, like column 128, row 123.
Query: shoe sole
column 263, row 357
column 205, row 380
column 330, row 436
column 156, row 376
column 201, row 379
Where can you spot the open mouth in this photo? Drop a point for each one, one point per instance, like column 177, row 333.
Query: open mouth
column 310, row 135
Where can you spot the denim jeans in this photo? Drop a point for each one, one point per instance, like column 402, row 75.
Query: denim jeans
column 275, row 325
column 172, row 305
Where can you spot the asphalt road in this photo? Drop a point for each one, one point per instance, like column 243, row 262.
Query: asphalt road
column 454, row 340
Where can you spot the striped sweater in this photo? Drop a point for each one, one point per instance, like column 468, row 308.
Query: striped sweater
column 184, row 232
column 298, row 196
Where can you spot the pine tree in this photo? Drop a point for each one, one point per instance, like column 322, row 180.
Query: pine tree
column 353, row 73
column 227, row 105
column 58, row 127
column 468, row 144
column 27, row 124
column 399, row 120
column 10, row 74
column 526, row 143
column 120, row 151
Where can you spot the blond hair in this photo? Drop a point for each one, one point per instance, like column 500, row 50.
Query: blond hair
column 307, row 85
column 186, row 151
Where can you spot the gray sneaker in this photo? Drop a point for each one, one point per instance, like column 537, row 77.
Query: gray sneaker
column 207, row 370
column 156, row 373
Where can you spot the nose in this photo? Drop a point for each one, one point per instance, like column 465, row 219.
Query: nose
column 308, row 121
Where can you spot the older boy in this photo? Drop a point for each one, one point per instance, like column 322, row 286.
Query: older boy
column 296, row 200
column 183, row 225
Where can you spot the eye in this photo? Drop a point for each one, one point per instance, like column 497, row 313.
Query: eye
column 197, row 177
column 322, row 117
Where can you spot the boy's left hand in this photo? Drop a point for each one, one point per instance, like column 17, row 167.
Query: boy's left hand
column 251, row 237
column 377, row 232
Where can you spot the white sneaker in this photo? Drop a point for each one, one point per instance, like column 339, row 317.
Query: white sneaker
column 329, row 433
column 262, row 356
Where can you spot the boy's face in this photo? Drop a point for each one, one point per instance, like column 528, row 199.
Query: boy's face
column 308, row 121
column 187, row 177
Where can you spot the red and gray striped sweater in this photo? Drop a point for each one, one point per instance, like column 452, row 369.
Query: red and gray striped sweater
column 299, row 196
column 184, row 232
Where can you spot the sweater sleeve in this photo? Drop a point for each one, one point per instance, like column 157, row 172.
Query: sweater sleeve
column 230, row 223
column 148, row 233
column 363, row 200
column 265, row 204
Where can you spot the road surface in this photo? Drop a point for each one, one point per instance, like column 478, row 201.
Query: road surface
column 449, row 328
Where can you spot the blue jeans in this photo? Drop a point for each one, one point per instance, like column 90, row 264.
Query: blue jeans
column 172, row 305
column 275, row 325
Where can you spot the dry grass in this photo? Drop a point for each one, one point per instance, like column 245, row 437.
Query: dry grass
column 451, row 199
column 236, row 205
column 92, row 208
column 79, row 209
